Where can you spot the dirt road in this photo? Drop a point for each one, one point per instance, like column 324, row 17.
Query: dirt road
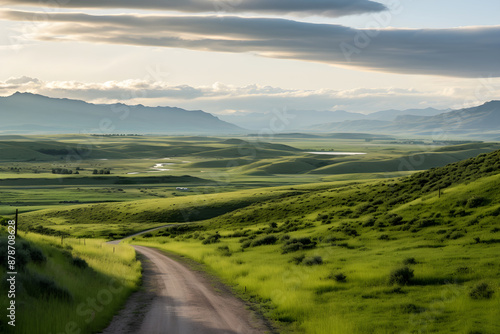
column 178, row 300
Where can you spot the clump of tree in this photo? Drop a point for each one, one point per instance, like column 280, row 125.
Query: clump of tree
column 50, row 151
column 64, row 171
column 101, row 171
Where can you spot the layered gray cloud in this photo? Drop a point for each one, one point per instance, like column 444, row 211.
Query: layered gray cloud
column 459, row 52
column 329, row 8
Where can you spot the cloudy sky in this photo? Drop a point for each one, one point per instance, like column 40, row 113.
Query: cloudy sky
column 226, row 56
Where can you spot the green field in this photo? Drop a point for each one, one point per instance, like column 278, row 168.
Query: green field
column 291, row 254
column 57, row 277
column 153, row 167
column 387, row 242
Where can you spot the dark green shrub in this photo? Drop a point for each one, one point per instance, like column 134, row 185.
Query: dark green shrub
column 409, row 261
column 224, row 250
column 79, row 263
column 211, row 239
column 481, row 291
column 370, row 222
column 475, row 202
column 239, row 234
column 312, row 261
column 456, row 235
column 495, row 213
column 38, row 286
column 37, row 255
column 266, row 240
column 401, row 276
column 350, row 231
column 426, row 222
column 340, row 277
column 394, row 219
column 294, row 245
column 246, row 244
column 464, row 270
column 284, row 237
column 298, row 259
column 411, row 308
column 22, row 258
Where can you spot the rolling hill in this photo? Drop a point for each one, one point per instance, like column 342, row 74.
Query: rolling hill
column 331, row 258
column 26, row 113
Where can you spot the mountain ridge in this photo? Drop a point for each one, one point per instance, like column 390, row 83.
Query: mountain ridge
column 482, row 121
column 33, row 112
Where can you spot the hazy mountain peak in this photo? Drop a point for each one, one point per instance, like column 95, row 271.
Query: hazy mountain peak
column 31, row 113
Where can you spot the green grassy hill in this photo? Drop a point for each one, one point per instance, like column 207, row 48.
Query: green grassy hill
column 56, row 278
column 411, row 255
column 128, row 147
column 398, row 256
column 121, row 219
column 414, row 162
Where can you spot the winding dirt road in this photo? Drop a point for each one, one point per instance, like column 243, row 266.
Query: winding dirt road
column 177, row 300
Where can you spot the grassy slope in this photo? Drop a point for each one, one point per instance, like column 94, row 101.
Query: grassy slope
column 88, row 147
column 419, row 161
column 98, row 220
column 109, row 279
column 365, row 232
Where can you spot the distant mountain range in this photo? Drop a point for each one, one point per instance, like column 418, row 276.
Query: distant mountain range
column 293, row 120
column 26, row 113
column 479, row 122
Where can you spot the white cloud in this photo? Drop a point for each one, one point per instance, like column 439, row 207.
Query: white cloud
column 21, row 81
column 222, row 99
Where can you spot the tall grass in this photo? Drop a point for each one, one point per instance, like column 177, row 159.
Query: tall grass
column 305, row 298
column 97, row 292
